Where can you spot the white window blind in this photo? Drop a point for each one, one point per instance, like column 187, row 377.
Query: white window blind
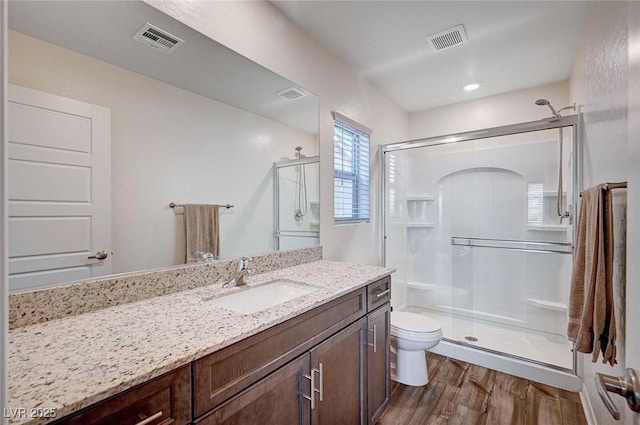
column 351, row 172
column 535, row 203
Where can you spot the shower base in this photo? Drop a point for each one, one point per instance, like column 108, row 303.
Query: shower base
column 541, row 357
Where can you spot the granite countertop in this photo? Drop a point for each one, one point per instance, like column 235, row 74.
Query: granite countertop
column 70, row 363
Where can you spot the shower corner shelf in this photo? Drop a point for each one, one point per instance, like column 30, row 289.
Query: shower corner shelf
column 552, row 194
column 547, row 227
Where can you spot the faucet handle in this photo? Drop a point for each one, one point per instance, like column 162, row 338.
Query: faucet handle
column 243, row 263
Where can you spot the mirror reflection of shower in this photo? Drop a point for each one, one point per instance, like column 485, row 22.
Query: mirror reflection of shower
column 300, row 205
column 562, row 213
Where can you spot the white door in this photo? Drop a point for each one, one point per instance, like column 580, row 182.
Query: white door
column 59, row 189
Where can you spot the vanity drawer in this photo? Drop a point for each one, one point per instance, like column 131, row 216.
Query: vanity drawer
column 378, row 293
column 161, row 401
column 226, row 372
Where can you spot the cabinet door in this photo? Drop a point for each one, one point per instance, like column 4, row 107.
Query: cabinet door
column 378, row 357
column 276, row 399
column 338, row 364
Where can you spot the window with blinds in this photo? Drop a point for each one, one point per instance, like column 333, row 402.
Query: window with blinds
column 351, row 173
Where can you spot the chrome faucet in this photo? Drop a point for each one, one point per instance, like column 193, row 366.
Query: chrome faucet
column 237, row 279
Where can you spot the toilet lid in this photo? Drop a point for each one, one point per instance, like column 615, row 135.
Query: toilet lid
column 413, row 322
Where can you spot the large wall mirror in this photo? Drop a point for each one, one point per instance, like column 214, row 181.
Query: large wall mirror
column 106, row 130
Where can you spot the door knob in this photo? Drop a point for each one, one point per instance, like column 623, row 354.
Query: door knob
column 627, row 385
column 100, row 255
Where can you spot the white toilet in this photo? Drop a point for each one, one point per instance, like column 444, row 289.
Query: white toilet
column 411, row 335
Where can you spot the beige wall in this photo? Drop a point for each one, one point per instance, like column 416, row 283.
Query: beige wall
column 492, row 111
column 260, row 32
column 168, row 145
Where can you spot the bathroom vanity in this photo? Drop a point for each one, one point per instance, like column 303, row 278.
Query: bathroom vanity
column 320, row 358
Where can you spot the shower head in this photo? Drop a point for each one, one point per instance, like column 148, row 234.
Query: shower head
column 545, row 102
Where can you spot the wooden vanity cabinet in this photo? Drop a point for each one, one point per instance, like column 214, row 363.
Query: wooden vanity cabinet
column 165, row 400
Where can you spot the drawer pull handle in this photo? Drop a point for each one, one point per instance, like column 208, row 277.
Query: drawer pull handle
column 383, row 293
column 150, row 418
column 321, row 374
column 311, row 397
column 375, row 333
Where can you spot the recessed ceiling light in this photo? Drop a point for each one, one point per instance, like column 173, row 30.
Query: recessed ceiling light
column 471, row 86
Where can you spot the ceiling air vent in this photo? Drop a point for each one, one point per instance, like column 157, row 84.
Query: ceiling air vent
column 157, row 38
column 448, row 38
column 291, row 93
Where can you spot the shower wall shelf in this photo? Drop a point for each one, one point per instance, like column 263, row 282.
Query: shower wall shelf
column 547, row 227
column 420, row 211
column 421, row 285
column 547, row 305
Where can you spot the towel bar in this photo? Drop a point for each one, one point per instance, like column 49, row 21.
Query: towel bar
column 609, row 186
column 174, row 205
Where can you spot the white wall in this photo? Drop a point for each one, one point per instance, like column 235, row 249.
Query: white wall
column 492, row 111
column 633, row 221
column 600, row 86
column 168, row 145
column 260, row 32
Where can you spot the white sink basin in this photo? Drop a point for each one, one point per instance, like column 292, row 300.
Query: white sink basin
column 262, row 297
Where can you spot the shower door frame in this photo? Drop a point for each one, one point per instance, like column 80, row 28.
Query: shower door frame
column 277, row 232
column 573, row 121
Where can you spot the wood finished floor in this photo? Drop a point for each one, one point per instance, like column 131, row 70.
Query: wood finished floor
column 462, row 394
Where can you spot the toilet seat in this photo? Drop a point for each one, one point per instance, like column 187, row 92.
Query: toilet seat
column 415, row 327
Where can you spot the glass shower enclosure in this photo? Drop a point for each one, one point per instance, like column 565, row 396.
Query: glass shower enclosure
column 479, row 227
column 296, row 203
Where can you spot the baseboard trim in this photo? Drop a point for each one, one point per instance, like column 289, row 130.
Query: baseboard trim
column 586, row 406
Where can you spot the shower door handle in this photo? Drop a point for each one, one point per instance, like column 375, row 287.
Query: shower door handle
column 626, row 385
